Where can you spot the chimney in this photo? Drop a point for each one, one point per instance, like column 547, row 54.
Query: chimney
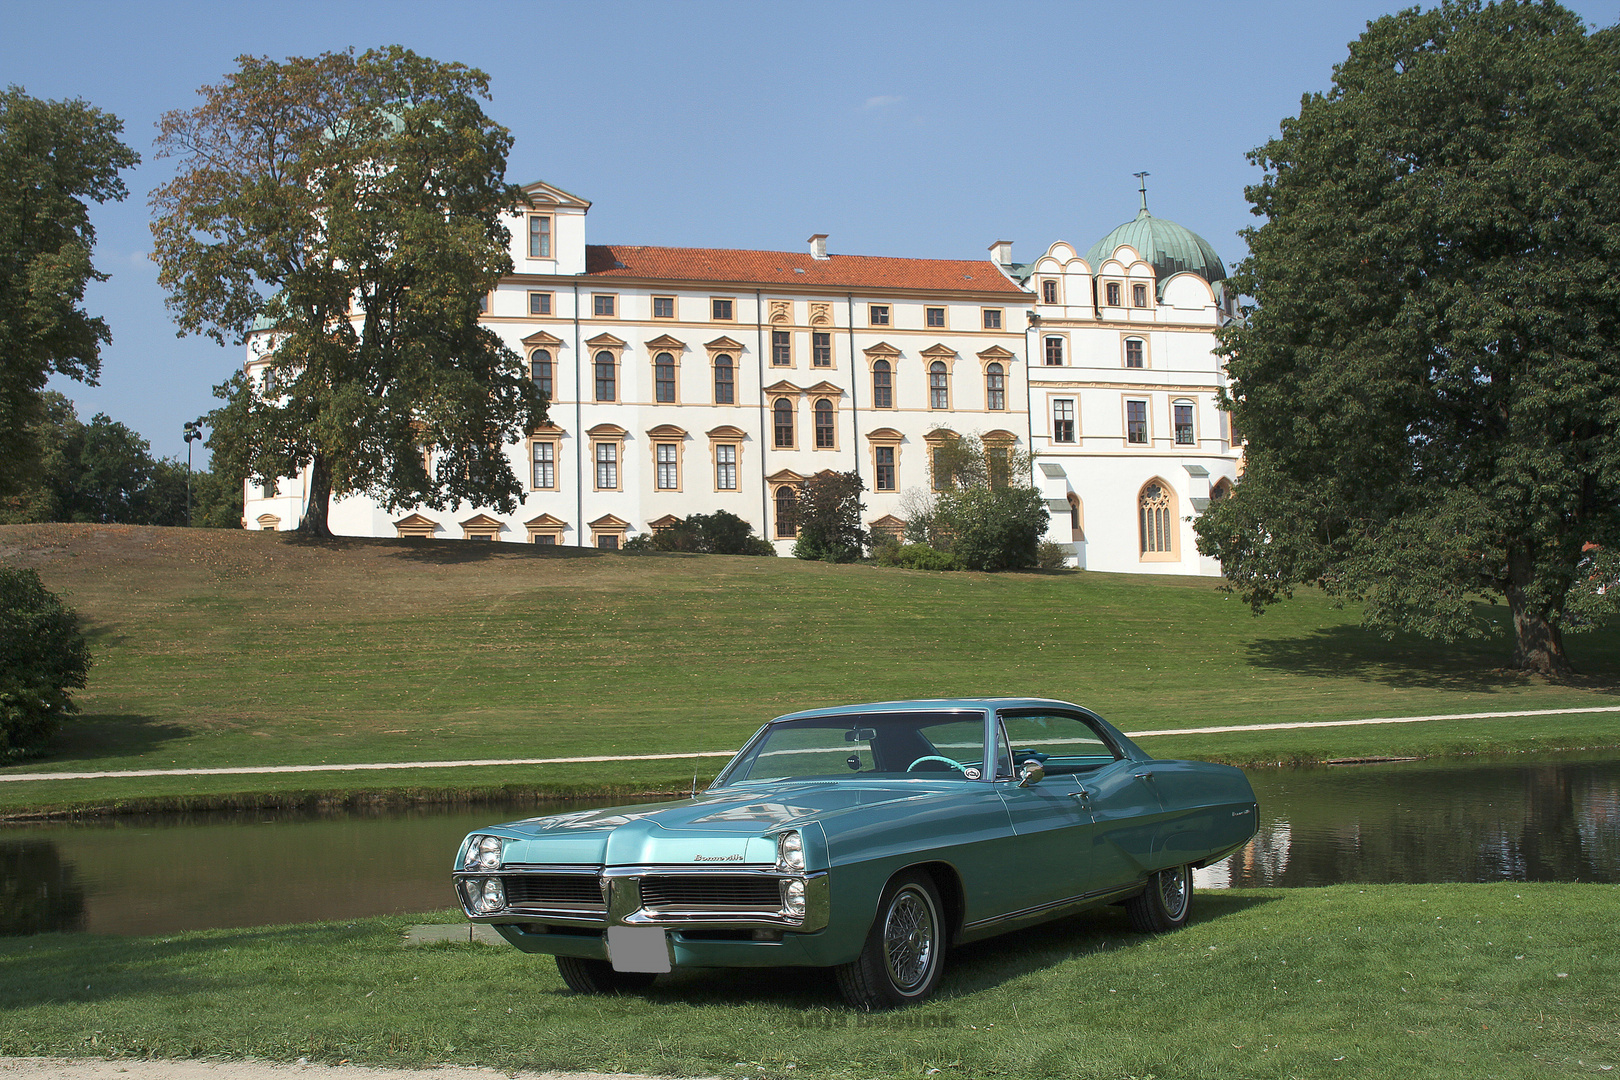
column 1001, row 251
column 818, row 246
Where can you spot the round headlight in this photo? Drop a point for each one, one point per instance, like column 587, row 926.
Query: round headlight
column 794, row 897
column 790, row 851
column 490, row 896
column 489, row 849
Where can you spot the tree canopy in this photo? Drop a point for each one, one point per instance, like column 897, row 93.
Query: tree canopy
column 345, row 214
column 983, row 511
column 54, row 155
column 1428, row 378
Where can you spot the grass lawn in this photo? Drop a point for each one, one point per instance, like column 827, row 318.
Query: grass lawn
column 224, row 648
column 1453, row 981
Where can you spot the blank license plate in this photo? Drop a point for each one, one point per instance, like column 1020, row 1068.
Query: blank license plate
column 638, row 948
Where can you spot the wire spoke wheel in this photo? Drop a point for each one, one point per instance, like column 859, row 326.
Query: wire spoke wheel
column 909, row 932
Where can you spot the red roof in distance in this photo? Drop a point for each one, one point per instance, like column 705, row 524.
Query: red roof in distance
column 794, row 268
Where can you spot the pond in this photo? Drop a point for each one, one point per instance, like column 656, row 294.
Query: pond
column 1481, row 820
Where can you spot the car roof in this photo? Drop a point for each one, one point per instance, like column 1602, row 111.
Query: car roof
column 934, row 705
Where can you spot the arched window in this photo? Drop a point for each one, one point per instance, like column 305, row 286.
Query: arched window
column 1156, row 512
column 939, row 388
column 1135, row 352
column 824, row 424
column 540, row 371
column 787, row 511
column 725, row 380
column 882, row 385
column 1075, row 530
column 664, row 377
column 1183, row 417
column 1112, row 291
column 1222, row 489
column 783, row 413
column 606, row 377
column 995, row 387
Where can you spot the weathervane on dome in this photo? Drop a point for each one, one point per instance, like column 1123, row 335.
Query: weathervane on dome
column 1142, row 176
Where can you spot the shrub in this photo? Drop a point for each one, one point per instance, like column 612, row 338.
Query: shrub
column 829, row 518
column 992, row 528
column 916, row 557
column 42, row 655
column 719, row 533
column 1050, row 555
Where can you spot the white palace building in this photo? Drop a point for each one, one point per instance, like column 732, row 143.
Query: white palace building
column 690, row 380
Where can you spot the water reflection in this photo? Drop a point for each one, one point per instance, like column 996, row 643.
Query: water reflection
column 1431, row 822
column 1416, row 822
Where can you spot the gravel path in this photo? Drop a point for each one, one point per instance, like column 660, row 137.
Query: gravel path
column 116, row 1069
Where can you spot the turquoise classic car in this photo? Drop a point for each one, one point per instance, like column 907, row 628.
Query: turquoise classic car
column 870, row 839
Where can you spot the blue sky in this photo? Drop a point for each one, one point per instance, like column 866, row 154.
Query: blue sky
column 909, row 129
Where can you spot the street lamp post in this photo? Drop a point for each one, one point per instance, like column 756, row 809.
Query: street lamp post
column 193, row 433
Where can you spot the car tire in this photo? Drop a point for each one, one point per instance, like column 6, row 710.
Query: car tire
column 598, row 977
column 1165, row 904
column 904, row 951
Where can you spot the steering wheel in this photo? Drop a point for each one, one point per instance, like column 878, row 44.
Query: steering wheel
column 957, row 765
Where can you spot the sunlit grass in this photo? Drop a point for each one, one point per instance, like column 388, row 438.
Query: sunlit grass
column 1455, row 981
column 234, row 648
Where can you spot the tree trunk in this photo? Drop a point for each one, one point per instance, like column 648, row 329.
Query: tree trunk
column 320, row 500
column 1538, row 646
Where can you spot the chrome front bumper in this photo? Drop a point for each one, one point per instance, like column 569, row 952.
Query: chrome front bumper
column 684, row 897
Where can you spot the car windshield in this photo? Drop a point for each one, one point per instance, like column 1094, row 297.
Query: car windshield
column 915, row 745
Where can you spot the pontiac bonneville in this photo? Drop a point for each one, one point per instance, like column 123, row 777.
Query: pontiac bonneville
column 870, row 839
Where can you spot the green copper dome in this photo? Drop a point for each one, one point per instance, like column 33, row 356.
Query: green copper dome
column 1171, row 248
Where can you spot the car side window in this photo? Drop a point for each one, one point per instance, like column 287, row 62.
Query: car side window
column 1061, row 742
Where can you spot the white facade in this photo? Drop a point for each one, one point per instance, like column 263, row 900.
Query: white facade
column 687, row 381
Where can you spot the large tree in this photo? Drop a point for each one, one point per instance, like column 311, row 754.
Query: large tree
column 54, row 155
column 345, row 214
column 1429, row 376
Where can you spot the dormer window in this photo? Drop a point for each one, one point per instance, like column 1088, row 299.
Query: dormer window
column 1112, row 293
column 539, row 236
column 1049, row 293
column 1139, row 296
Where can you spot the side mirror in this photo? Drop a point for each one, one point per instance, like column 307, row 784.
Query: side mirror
column 1031, row 774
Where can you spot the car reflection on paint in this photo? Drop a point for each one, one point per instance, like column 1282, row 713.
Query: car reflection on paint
column 870, row 839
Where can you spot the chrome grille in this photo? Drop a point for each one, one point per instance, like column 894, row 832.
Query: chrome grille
column 554, row 891
column 710, row 892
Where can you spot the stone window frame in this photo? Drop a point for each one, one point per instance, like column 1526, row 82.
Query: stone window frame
column 542, row 304
column 673, row 307
column 1141, row 296
column 614, row 348
column 944, row 317
column 1125, row 343
column 1158, row 527
column 545, row 525
column 999, row 444
column 831, row 402
column 552, row 435
column 723, row 309
column 726, row 436
column 946, row 356
column 604, row 305
column 410, row 527
column 879, row 315
column 935, row 439
column 781, row 345
column 783, row 485
column 993, row 318
column 1051, row 291
column 1061, row 341
column 609, row 525
column 791, row 402
column 724, row 346
column 542, row 235
column 664, row 345
column 668, row 435
column 482, row 527
column 607, row 435
column 888, row 439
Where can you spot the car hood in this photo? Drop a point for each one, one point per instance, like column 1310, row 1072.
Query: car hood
column 714, row 827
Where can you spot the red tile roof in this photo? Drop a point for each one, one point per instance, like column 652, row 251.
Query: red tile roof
column 793, row 268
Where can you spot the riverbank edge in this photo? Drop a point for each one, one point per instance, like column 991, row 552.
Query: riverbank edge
column 387, row 797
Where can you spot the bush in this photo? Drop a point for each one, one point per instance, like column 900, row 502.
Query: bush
column 1051, row 555
column 42, row 655
column 992, row 528
column 719, row 533
column 829, row 518
column 915, row 557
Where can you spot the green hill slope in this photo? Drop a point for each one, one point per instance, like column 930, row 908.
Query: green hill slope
column 219, row 648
